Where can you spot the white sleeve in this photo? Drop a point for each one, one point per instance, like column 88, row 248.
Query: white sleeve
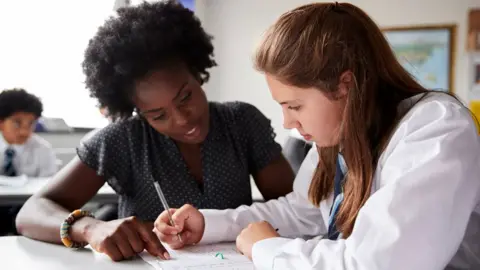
column 428, row 188
column 293, row 215
column 47, row 162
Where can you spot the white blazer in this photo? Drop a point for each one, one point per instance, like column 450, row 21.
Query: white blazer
column 423, row 213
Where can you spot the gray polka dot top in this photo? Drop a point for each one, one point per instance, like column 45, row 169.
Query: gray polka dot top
column 131, row 155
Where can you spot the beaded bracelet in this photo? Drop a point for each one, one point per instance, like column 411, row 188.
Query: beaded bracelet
column 65, row 227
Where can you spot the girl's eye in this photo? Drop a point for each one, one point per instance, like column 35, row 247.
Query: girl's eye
column 294, row 108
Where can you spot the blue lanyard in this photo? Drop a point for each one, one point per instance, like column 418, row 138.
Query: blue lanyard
column 333, row 233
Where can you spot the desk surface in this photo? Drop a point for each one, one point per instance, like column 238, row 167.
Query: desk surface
column 35, row 184
column 18, row 195
column 20, row 253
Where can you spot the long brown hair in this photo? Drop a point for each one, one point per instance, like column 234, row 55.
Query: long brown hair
column 311, row 46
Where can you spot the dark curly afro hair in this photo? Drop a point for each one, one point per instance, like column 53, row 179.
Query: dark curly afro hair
column 18, row 100
column 138, row 40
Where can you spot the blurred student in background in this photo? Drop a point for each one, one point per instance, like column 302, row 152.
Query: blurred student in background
column 23, row 153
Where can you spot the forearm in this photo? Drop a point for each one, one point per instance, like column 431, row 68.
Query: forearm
column 293, row 215
column 40, row 219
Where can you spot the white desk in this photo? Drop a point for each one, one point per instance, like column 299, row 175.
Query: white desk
column 18, row 195
column 20, row 253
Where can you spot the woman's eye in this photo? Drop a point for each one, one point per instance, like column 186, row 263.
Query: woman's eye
column 160, row 117
column 186, row 97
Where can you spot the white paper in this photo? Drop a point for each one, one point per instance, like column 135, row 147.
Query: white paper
column 201, row 257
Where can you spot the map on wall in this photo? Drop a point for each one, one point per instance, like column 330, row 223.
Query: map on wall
column 425, row 52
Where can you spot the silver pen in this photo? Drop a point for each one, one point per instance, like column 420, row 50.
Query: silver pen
column 165, row 205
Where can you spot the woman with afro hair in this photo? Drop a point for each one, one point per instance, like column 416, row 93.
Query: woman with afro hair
column 146, row 66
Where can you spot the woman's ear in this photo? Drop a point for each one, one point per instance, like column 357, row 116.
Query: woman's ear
column 200, row 80
column 345, row 83
column 197, row 76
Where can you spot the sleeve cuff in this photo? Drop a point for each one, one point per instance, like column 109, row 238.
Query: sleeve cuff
column 218, row 227
column 265, row 251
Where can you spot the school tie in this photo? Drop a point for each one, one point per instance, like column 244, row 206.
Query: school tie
column 8, row 168
column 333, row 234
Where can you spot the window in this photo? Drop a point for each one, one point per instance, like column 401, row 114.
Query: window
column 42, row 49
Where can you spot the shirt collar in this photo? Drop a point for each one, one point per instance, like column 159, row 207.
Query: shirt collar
column 343, row 164
column 19, row 148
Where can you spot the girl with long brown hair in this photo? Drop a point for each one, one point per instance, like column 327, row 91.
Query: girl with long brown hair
column 394, row 180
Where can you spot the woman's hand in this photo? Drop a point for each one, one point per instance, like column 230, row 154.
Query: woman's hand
column 123, row 238
column 190, row 225
column 254, row 233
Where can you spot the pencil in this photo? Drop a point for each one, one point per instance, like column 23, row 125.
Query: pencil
column 165, row 205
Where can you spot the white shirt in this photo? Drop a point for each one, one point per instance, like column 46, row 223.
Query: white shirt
column 423, row 213
column 34, row 158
